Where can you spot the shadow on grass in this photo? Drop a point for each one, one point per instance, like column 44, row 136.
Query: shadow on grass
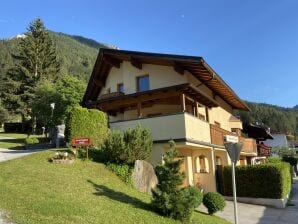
column 14, row 141
column 102, row 190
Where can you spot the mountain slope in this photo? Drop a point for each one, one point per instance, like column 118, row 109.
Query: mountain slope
column 76, row 54
column 279, row 119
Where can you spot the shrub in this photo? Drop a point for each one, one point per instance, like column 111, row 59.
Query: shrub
column 274, row 160
column 169, row 198
column 214, row 202
column 138, row 144
column 124, row 172
column 31, row 141
column 133, row 144
column 82, row 122
column 290, row 159
column 272, row 180
column 12, row 127
column 113, row 149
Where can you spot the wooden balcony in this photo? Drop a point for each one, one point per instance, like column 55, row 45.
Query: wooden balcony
column 217, row 138
column 264, row 150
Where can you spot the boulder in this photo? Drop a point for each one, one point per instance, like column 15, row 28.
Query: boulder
column 144, row 178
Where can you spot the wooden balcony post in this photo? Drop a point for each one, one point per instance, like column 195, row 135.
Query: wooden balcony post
column 182, row 100
column 139, row 106
column 207, row 113
column 196, row 109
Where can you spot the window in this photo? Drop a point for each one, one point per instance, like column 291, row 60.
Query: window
column 120, row 88
column 201, row 164
column 218, row 161
column 142, row 83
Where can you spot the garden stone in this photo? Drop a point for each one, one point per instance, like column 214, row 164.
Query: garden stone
column 144, row 178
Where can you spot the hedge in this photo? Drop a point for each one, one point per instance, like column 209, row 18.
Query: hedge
column 82, row 122
column 13, row 127
column 259, row 181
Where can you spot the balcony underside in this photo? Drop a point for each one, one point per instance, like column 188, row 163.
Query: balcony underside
column 173, row 95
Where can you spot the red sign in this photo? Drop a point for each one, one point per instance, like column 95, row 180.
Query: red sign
column 81, row 142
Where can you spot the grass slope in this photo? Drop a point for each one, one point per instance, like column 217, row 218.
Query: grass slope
column 33, row 190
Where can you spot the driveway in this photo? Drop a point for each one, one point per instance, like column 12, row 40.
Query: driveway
column 7, row 154
column 257, row 214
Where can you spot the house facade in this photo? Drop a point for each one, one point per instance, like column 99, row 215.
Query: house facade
column 178, row 98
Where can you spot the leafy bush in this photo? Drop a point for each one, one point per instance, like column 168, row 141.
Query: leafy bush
column 214, row 202
column 31, row 140
column 169, row 198
column 290, row 159
column 274, row 160
column 82, row 122
column 13, row 127
column 124, row 172
column 133, row 144
column 272, row 180
column 4, row 115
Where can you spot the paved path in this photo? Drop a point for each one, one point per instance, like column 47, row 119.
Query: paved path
column 7, row 154
column 257, row 214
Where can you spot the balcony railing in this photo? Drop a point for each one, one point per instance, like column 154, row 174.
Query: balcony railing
column 264, row 150
column 217, row 138
column 172, row 126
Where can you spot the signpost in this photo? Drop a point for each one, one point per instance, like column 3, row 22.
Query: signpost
column 83, row 143
column 234, row 148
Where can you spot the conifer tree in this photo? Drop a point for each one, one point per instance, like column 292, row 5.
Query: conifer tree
column 35, row 61
column 169, row 198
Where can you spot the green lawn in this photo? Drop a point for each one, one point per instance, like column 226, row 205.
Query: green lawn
column 16, row 143
column 33, row 190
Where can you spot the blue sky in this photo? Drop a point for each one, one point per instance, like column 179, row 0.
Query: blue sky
column 252, row 44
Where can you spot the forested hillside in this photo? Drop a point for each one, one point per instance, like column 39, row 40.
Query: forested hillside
column 279, row 119
column 76, row 54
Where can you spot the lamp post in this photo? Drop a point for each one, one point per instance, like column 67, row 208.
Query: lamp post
column 52, row 105
column 234, row 149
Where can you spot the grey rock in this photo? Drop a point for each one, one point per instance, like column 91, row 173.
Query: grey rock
column 144, row 178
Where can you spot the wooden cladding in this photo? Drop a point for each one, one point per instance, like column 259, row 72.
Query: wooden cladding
column 217, row 138
column 217, row 134
column 264, row 150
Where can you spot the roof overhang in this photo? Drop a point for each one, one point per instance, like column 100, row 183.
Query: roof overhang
column 108, row 58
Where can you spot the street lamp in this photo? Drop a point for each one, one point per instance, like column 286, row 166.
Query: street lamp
column 234, row 149
column 52, row 105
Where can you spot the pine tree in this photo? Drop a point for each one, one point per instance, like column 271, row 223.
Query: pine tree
column 35, row 61
column 169, row 198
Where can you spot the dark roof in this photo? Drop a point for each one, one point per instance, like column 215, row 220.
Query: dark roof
column 107, row 58
column 257, row 132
